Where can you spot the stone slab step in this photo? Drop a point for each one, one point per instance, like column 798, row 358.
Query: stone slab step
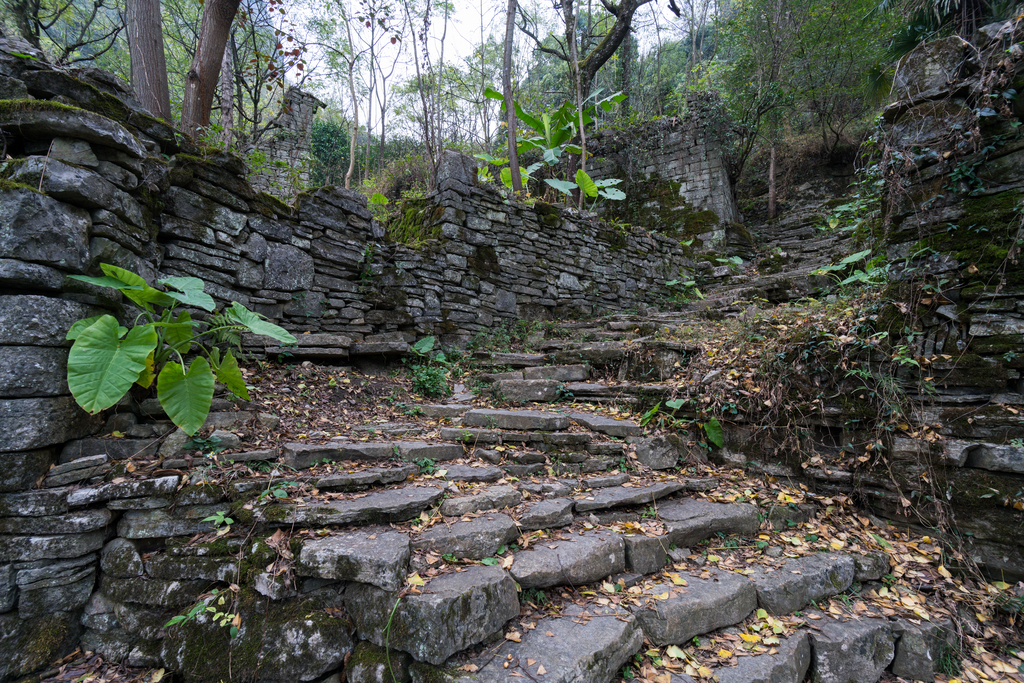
column 540, row 440
column 391, row 349
column 788, row 665
column 701, row 606
column 472, row 540
column 521, row 420
column 585, row 644
column 618, row 496
column 391, row 505
column 582, row 559
column 375, row 556
column 511, row 360
column 607, row 425
column 801, row 580
column 491, row 498
column 305, row 455
column 856, row 650
column 553, row 513
column 360, row 479
column 526, row 390
column 472, row 474
column 560, row 373
column 691, row 520
column 446, row 410
column 451, row 613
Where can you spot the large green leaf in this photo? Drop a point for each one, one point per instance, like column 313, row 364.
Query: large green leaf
column 137, row 290
column 257, row 325
column 84, row 323
column 186, row 398
column 613, row 193
column 190, row 292
column 493, row 94
column 564, row 186
column 102, row 367
column 180, row 332
column 585, row 183
column 531, row 121
column 713, row 430
column 506, row 177
column 229, row 373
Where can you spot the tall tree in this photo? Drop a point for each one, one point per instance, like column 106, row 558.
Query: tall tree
column 202, row 77
column 149, row 66
column 510, row 109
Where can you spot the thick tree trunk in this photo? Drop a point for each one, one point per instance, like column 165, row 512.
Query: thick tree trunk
column 510, row 109
column 146, row 48
column 626, row 82
column 201, row 80
column 227, row 83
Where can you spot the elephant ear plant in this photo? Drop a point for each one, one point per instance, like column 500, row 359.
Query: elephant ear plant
column 107, row 359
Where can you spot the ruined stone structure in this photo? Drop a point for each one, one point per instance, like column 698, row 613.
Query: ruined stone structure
column 95, row 555
column 678, row 163
column 285, row 148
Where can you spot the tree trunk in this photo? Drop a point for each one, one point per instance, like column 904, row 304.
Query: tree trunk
column 510, row 109
column 355, row 104
column 201, row 80
column 146, row 48
column 627, row 71
column 771, row 185
column 227, row 82
column 26, row 17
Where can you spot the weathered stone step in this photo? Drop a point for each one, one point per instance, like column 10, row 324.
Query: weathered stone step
column 375, row 556
column 606, row 425
column 451, row 613
column 491, row 498
column 582, row 645
column 390, row 505
column 802, row 580
column 560, row 373
column 473, row 539
column 360, row 479
column 788, row 665
column 618, row 496
column 305, row 455
column 511, row 360
column 522, row 420
column 691, row 520
column 572, row 562
column 545, row 441
column 700, row 606
column 446, row 410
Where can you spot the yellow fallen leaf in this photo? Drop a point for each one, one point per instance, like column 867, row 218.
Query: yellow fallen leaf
column 415, row 580
column 541, row 670
column 750, row 637
column 724, row 654
column 157, row 675
column 514, row 636
column 945, row 572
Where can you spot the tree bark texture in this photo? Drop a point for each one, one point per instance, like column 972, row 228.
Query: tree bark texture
column 510, row 107
column 201, row 80
column 146, row 49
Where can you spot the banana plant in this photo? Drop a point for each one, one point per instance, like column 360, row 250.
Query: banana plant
column 106, row 358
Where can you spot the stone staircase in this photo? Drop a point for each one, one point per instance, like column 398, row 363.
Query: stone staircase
column 477, row 545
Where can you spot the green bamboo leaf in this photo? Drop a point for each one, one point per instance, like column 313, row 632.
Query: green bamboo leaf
column 585, row 183
column 102, row 367
column 229, row 373
column 257, row 325
column 493, row 94
column 186, row 398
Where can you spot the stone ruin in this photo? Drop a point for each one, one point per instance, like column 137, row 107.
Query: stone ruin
column 94, row 555
column 285, row 168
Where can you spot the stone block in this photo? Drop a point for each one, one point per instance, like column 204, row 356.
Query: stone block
column 30, row 423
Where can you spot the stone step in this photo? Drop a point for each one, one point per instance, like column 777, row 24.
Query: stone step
column 361, row 479
column 696, row 608
column 544, row 441
column 451, row 613
column 510, row 360
column 801, row 580
column 560, row 373
column 301, row 456
column 574, row 561
column 472, row 540
column 521, row 420
column 584, row 644
column 789, row 664
column 619, row 496
column 691, row 520
column 606, row 425
column 389, row 505
column 379, row 557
